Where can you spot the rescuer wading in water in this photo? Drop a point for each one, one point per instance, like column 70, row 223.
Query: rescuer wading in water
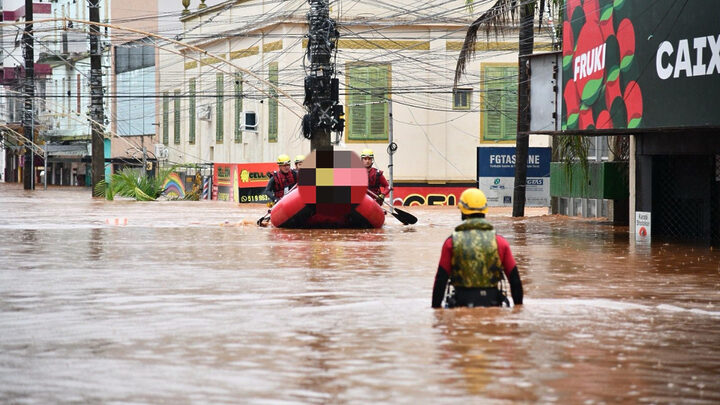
column 474, row 259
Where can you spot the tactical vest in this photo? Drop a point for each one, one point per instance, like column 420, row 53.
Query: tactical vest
column 475, row 259
column 283, row 182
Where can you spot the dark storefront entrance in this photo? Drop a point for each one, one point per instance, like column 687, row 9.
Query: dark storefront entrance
column 679, row 182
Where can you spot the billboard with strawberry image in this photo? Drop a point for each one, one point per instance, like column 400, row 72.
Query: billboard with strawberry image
column 636, row 64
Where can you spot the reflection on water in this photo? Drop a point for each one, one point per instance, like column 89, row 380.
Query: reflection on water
column 192, row 302
column 329, row 248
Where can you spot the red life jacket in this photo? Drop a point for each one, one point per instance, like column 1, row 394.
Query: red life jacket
column 283, row 181
column 374, row 180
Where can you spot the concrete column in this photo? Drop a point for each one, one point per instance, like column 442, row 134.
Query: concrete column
column 631, row 185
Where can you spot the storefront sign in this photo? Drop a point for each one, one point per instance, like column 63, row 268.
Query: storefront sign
column 241, row 182
column 642, row 226
column 629, row 64
column 496, row 175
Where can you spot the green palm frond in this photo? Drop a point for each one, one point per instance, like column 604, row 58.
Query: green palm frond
column 496, row 18
column 130, row 182
column 572, row 150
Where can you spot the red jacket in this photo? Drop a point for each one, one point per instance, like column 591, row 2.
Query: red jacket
column 279, row 182
column 506, row 257
column 445, row 268
column 377, row 182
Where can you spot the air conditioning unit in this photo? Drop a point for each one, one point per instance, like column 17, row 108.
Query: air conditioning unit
column 250, row 121
column 204, row 112
column 161, row 152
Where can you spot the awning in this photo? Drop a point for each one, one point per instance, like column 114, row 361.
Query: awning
column 72, row 150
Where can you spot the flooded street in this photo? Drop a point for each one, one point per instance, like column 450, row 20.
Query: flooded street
column 181, row 302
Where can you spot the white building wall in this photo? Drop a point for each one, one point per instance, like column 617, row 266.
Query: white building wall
column 435, row 142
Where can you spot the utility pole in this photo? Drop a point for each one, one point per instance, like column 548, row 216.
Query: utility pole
column 97, row 116
column 321, row 89
column 527, row 12
column 29, row 90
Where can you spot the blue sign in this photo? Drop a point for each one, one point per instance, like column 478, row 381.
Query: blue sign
column 500, row 162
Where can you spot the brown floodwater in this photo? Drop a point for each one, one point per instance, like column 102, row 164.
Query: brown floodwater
column 191, row 302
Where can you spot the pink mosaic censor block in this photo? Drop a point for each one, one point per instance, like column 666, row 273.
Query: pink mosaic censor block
column 331, row 176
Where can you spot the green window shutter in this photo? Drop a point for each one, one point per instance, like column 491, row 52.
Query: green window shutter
column 191, row 111
column 166, row 118
column 379, row 105
column 499, row 103
column 368, row 112
column 273, row 103
column 358, row 99
column 219, row 88
column 238, row 107
column 176, row 115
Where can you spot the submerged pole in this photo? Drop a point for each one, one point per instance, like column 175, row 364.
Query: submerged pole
column 29, row 90
column 96, row 98
column 321, row 88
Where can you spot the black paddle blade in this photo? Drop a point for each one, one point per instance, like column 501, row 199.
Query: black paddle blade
column 405, row 217
column 262, row 221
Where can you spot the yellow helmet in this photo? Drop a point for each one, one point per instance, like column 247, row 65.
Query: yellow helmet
column 299, row 158
column 367, row 153
column 473, row 201
column 283, row 159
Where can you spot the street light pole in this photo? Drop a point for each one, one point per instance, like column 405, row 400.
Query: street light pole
column 392, row 147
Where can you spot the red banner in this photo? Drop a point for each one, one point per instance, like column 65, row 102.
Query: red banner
column 427, row 195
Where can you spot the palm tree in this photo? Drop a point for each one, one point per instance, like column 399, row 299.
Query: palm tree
column 132, row 182
column 496, row 17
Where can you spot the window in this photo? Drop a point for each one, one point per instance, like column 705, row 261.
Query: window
column 498, row 103
column 191, row 110
column 135, row 87
column 367, row 106
column 250, row 121
column 134, row 55
column 219, row 89
column 273, row 103
column 238, row 107
column 461, row 99
column 176, row 115
column 166, row 118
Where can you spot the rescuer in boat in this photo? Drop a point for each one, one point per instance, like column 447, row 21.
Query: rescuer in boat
column 474, row 259
column 377, row 183
column 281, row 181
column 298, row 163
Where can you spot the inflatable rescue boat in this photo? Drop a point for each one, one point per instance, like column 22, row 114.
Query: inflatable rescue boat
column 331, row 193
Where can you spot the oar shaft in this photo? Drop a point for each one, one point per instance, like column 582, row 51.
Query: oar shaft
column 405, row 217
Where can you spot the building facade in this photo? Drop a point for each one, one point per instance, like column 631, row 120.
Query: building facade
column 12, row 80
column 233, row 90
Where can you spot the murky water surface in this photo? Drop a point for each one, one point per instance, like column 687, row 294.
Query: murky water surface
column 192, row 302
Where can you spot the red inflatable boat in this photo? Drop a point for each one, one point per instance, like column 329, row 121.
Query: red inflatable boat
column 331, row 193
